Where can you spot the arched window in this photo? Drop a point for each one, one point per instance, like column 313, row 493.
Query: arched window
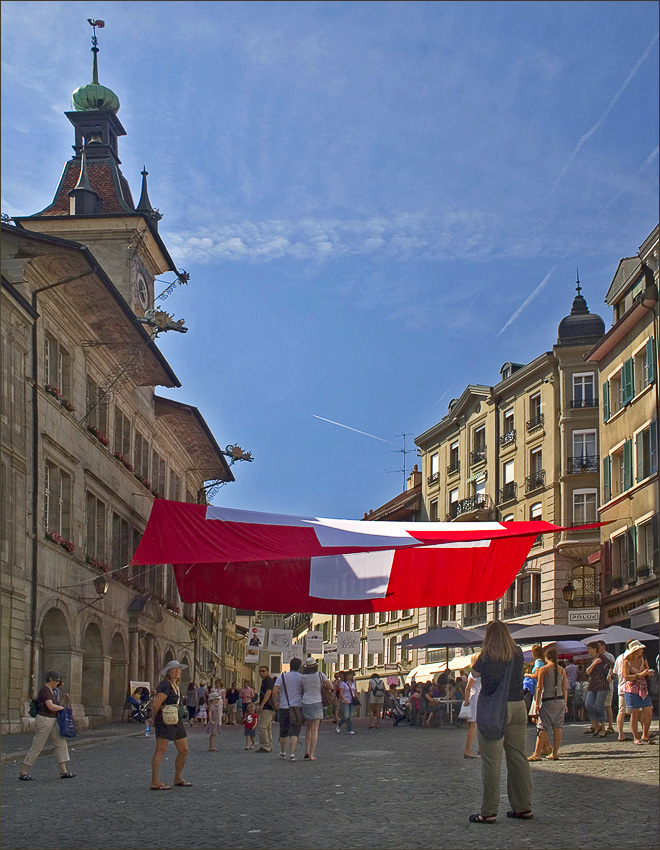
column 584, row 582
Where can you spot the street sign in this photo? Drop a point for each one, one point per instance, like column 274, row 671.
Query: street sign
column 584, row 617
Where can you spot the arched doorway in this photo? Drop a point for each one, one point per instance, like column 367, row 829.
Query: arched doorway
column 92, row 671
column 55, row 647
column 118, row 674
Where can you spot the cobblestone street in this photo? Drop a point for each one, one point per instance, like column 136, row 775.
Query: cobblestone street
column 386, row 788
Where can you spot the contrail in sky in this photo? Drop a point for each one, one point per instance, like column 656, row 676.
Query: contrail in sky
column 607, row 111
column 357, row 431
column 528, row 299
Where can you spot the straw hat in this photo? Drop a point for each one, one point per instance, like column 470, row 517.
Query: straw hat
column 633, row 646
column 213, row 695
column 171, row 665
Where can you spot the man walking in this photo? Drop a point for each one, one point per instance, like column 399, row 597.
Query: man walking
column 602, row 650
column 265, row 710
column 376, row 700
column 287, row 697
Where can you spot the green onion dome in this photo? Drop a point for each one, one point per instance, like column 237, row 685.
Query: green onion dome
column 94, row 96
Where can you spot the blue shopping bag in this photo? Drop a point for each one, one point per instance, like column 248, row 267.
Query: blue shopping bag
column 66, row 722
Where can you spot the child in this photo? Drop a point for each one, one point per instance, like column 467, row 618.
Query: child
column 250, row 725
column 214, row 720
column 202, row 714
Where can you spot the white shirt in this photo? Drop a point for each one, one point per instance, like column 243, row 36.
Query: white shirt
column 311, row 687
column 293, row 689
column 617, row 671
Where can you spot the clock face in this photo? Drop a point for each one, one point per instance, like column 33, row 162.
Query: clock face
column 142, row 291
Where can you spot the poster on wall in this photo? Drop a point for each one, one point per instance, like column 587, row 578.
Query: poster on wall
column 330, row 653
column 289, row 652
column 251, row 655
column 279, row 639
column 348, row 643
column 314, row 643
column 257, row 637
column 374, row 643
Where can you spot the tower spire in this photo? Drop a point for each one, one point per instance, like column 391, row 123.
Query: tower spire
column 95, row 48
column 578, row 288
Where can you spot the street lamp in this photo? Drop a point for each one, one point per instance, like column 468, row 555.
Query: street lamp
column 568, row 592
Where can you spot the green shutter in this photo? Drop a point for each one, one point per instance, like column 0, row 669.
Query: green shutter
column 607, row 478
column 627, row 465
column 606, row 401
column 653, row 447
column 639, row 454
column 628, row 381
column 650, row 359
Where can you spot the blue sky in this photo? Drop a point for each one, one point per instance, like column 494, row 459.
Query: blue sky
column 364, row 194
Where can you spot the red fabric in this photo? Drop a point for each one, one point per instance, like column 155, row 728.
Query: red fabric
column 267, row 566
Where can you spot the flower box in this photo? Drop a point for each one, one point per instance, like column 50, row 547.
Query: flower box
column 643, row 571
column 51, row 389
column 54, row 537
column 98, row 565
column 120, row 457
column 617, row 582
column 66, row 404
column 100, row 436
column 140, row 477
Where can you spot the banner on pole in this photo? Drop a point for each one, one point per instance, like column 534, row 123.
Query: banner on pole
column 314, row 643
column 374, row 643
column 330, row 653
column 251, row 655
column 348, row 643
column 279, row 639
column 257, row 637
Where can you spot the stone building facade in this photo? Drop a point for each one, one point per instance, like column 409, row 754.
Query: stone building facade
column 524, row 449
column 627, row 361
column 87, row 444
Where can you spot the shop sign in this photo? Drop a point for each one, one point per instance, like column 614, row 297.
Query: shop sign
column 584, row 617
column 594, row 558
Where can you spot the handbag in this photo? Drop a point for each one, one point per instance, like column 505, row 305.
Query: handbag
column 492, row 712
column 295, row 711
column 355, row 699
column 183, row 712
column 170, row 714
column 65, row 721
column 327, row 698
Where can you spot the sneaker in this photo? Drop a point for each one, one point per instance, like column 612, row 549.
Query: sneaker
column 282, row 755
column 350, row 733
column 338, row 729
column 292, row 757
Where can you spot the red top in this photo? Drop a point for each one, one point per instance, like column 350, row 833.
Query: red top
column 250, row 721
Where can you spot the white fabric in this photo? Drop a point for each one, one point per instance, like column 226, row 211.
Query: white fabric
column 311, row 687
column 364, row 575
column 293, row 688
column 474, row 698
column 617, row 671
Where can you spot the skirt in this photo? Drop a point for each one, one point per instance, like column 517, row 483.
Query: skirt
column 172, row 733
column 634, row 701
column 313, row 711
column 551, row 715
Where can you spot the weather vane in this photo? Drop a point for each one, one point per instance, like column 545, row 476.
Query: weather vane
column 95, row 24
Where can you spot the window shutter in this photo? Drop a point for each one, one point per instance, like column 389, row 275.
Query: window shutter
column 653, row 446
column 607, row 478
column 639, row 454
column 650, row 359
column 632, row 551
column 627, row 465
column 606, row 401
column 628, row 381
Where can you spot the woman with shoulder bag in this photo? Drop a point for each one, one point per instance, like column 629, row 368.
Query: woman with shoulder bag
column 501, row 725
column 349, row 699
column 46, row 727
column 168, row 712
column 313, row 684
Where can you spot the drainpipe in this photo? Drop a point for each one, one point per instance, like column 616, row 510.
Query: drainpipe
column 35, row 470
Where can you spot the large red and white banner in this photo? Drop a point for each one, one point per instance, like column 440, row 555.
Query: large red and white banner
column 273, row 562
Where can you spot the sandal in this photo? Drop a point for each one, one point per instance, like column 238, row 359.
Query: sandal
column 552, row 758
column 183, row 784
column 534, row 758
column 482, row 819
column 160, row 787
column 67, row 775
column 25, row 777
column 520, row 815
column 648, row 741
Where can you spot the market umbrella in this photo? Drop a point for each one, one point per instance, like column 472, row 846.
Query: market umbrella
column 565, row 649
column 650, row 629
column 618, row 634
column 551, row 632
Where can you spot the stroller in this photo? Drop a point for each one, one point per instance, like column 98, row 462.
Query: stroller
column 395, row 710
column 140, row 709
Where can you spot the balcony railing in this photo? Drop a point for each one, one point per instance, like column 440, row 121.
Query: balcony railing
column 584, row 402
column 475, row 619
column 474, row 503
column 535, row 480
column 521, row 610
column 433, row 478
column 535, row 423
column 508, row 492
column 478, row 455
column 508, row 438
column 583, row 463
column 454, row 468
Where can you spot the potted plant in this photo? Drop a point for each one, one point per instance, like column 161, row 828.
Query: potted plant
column 617, row 582
column 643, row 571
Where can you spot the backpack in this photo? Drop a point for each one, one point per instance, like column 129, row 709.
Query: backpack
column 33, row 710
column 377, row 688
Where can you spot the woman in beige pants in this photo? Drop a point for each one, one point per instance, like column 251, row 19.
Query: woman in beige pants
column 46, row 727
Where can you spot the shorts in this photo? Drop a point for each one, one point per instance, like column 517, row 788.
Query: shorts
column 313, row 711
column 608, row 699
column 622, row 702
column 634, row 701
column 287, row 728
column 249, row 733
column 171, row 733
